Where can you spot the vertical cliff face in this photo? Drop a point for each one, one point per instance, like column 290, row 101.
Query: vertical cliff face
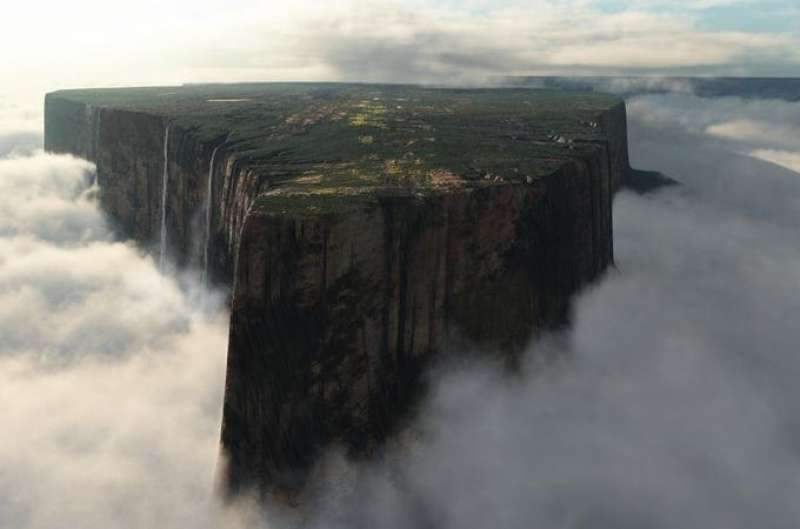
column 614, row 124
column 372, row 229
column 127, row 147
column 335, row 317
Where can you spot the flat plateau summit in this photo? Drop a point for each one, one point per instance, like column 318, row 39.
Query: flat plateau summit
column 353, row 139
column 366, row 231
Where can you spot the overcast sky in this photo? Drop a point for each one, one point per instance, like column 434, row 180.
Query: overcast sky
column 50, row 43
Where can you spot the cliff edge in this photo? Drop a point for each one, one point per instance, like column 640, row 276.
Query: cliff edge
column 366, row 230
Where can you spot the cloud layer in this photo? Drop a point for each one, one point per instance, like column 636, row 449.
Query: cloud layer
column 20, row 125
column 383, row 40
column 421, row 41
column 110, row 375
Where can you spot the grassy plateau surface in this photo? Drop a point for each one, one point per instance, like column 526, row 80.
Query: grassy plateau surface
column 317, row 143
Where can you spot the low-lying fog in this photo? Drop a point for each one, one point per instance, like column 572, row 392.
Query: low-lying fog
column 673, row 404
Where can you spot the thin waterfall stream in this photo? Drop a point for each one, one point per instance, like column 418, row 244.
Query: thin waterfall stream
column 209, row 192
column 164, row 180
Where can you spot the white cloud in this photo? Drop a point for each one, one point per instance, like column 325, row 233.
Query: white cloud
column 788, row 159
column 383, row 40
column 20, row 124
column 687, row 4
column 759, row 133
column 735, row 120
column 111, row 376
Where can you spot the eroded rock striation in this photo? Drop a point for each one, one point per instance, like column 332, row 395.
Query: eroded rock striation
column 365, row 230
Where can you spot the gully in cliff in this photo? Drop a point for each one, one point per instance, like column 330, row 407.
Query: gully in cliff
column 362, row 228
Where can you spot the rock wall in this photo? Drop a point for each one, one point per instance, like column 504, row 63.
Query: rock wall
column 127, row 149
column 614, row 124
column 334, row 316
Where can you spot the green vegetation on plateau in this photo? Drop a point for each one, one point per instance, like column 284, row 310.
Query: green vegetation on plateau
column 330, row 140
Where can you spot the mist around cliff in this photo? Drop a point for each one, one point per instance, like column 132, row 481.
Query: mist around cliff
column 111, row 376
column 672, row 402
column 20, row 125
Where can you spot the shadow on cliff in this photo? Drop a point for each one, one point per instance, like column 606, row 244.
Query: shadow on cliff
column 644, row 182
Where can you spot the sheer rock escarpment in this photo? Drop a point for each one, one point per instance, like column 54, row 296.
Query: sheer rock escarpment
column 365, row 231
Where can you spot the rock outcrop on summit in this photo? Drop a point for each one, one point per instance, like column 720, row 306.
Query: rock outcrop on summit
column 365, row 231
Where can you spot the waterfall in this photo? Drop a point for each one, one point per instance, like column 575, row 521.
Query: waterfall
column 209, row 191
column 95, row 144
column 164, row 180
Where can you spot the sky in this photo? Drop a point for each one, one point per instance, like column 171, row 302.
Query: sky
column 52, row 44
